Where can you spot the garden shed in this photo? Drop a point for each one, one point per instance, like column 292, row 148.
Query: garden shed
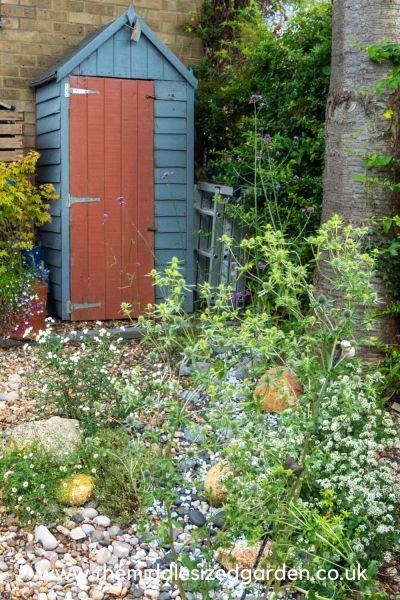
column 115, row 131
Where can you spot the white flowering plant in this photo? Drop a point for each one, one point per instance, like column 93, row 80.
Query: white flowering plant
column 30, row 479
column 76, row 377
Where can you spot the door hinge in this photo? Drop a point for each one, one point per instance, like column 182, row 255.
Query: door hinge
column 77, row 200
column 71, row 307
column 68, row 90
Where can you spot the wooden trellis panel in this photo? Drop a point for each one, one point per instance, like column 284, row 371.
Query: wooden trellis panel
column 215, row 263
column 11, row 142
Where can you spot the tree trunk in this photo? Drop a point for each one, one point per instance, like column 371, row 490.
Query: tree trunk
column 355, row 125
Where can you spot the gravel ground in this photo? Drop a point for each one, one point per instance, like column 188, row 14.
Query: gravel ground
column 88, row 550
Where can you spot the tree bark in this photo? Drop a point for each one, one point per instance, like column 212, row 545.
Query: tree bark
column 355, row 125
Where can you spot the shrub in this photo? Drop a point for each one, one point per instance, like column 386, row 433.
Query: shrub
column 23, row 208
column 288, row 73
column 314, row 479
column 120, row 472
column 30, row 479
column 76, row 379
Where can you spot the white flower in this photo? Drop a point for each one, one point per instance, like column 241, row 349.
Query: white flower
column 25, row 484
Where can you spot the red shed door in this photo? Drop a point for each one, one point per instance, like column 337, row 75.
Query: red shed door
column 111, row 196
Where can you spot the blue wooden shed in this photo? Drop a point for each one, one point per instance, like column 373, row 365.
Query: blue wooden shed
column 115, row 131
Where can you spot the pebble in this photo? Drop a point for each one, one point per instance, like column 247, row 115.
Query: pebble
column 77, row 533
column 102, row 521
column 121, row 550
column 103, row 556
column 44, row 537
column 197, row 518
column 89, row 513
column 87, row 528
column 42, row 566
column 26, row 572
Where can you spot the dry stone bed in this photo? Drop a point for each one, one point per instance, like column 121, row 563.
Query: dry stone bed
column 88, row 543
column 88, row 540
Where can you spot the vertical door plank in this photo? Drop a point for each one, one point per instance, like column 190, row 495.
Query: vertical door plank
column 130, row 151
column 95, row 185
column 146, row 190
column 78, row 188
column 113, row 191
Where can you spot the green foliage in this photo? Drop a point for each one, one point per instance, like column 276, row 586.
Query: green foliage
column 315, row 484
column 289, row 72
column 76, row 379
column 120, row 466
column 30, row 479
column 391, row 53
column 23, row 208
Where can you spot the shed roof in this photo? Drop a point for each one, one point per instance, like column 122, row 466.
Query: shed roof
column 92, row 42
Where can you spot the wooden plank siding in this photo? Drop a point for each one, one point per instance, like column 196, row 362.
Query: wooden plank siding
column 48, row 127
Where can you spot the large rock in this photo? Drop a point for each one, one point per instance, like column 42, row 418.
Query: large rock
column 243, row 556
column 278, row 390
column 214, row 483
column 75, row 490
column 58, row 436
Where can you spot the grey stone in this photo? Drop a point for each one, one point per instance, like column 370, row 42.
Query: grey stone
column 196, row 518
column 89, row 513
column 58, row 436
column 185, row 371
column 193, row 434
column 77, row 518
column 44, row 537
column 115, row 530
column 87, row 528
column 103, row 556
column 43, row 566
column 77, row 534
column 137, row 591
column 121, row 549
column 164, row 596
column 102, row 520
column 97, row 535
column 26, row 572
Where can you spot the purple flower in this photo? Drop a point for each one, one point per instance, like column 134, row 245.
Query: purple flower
column 267, row 138
column 308, row 209
column 121, row 200
column 167, row 174
column 255, row 98
column 296, row 177
column 247, row 293
column 296, row 138
column 236, row 296
column 261, row 265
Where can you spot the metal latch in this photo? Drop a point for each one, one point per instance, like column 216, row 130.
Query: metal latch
column 78, row 200
column 68, row 90
column 72, row 307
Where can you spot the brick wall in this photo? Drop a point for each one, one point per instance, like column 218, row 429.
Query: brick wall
column 35, row 33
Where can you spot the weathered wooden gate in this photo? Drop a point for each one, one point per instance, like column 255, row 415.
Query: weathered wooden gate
column 111, row 195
